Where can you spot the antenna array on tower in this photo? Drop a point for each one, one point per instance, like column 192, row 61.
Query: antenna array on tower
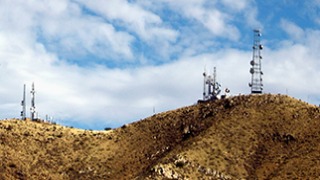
column 33, row 107
column 211, row 88
column 23, row 104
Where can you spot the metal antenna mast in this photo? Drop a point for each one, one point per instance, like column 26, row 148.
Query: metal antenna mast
column 33, row 108
column 255, row 70
column 216, row 86
column 23, row 104
column 211, row 88
column 204, row 84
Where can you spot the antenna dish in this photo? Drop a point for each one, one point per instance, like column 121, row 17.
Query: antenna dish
column 261, row 47
column 251, row 70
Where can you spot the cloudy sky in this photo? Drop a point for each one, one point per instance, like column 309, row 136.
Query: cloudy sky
column 104, row 63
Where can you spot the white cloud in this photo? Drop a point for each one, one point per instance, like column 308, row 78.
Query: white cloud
column 213, row 19
column 64, row 28
column 311, row 10
column 219, row 21
column 292, row 30
column 236, row 5
column 294, row 65
column 144, row 23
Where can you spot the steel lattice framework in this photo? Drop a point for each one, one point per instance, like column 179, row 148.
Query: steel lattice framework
column 255, row 70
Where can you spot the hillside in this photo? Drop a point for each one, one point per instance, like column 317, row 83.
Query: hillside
column 251, row 137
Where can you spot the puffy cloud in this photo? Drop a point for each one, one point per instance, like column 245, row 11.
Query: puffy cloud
column 146, row 24
column 216, row 21
column 219, row 21
column 150, row 32
column 64, row 29
column 294, row 63
column 292, row 30
column 311, row 10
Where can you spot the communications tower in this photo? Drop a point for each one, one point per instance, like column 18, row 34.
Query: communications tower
column 33, row 107
column 255, row 70
column 211, row 88
column 23, row 104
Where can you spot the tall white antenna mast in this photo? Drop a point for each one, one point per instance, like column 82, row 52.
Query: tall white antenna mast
column 216, row 86
column 23, row 104
column 33, row 107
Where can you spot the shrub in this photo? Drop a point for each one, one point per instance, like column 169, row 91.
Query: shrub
column 107, row 128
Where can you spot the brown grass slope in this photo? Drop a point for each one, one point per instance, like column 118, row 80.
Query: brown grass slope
column 265, row 136
column 252, row 137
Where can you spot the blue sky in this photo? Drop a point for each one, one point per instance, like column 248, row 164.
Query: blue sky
column 98, row 64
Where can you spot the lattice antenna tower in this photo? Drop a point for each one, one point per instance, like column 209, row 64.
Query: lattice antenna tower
column 255, row 70
column 211, row 88
column 23, row 104
column 33, row 107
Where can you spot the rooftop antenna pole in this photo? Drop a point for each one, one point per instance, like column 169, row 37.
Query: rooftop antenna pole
column 33, row 108
column 255, row 70
column 23, row 104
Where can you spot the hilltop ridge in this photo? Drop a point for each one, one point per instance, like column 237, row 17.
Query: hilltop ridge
column 248, row 136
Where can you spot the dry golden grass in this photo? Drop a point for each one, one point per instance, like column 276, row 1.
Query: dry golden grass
column 250, row 137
